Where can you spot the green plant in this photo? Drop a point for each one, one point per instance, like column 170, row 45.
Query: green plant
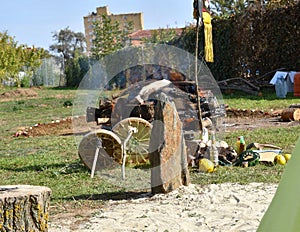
column 25, row 82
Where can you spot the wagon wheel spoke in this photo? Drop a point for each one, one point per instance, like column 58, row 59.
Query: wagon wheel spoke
column 110, row 151
column 137, row 147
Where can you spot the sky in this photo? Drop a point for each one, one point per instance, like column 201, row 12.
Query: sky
column 33, row 22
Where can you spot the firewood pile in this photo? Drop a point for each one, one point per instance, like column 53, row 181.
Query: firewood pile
column 235, row 113
column 138, row 101
column 239, row 84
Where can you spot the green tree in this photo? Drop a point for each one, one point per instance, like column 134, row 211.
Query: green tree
column 15, row 58
column 225, row 8
column 68, row 43
column 162, row 35
column 8, row 59
column 279, row 3
column 77, row 68
column 109, row 36
column 72, row 46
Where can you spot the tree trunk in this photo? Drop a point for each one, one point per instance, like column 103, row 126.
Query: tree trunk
column 24, row 208
column 290, row 114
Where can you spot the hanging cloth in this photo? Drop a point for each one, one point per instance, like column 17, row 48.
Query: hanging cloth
column 208, row 46
column 197, row 13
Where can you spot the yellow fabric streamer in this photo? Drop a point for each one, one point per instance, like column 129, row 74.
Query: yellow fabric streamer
column 208, row 48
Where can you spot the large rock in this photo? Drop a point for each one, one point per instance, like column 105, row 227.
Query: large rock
column 168, row 158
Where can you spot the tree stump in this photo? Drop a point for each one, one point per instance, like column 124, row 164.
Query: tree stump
column 290, row 114
column 24, row 208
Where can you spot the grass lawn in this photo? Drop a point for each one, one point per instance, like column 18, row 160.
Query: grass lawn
column 53, row 161
column 267, row 101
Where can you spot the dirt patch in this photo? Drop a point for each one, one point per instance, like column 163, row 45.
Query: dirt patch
column 59, row 127
column 19, row 93
column 62, row 127
column 245, row 121
column 252, row 123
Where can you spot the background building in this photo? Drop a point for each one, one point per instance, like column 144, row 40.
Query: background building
column 123, row 19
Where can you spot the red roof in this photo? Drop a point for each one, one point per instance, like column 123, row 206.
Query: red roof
column 138, row 36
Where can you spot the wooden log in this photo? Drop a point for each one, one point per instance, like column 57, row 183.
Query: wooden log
column 290, row 114
column 241, row 88
column 103, row 121
column 239, row 81
column 294, row 105
column 24, row 208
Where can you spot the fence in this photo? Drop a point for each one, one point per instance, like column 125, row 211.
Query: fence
column 50, row 73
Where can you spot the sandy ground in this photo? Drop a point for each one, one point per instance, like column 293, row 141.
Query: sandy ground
column 223, row 207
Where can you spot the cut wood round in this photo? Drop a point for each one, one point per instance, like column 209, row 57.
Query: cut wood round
column 290, row 114
column 110, row 149
column 137, row 148
column 24, row 208
column 296, row 105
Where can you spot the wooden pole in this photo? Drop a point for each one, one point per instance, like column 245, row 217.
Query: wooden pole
column 196, row 76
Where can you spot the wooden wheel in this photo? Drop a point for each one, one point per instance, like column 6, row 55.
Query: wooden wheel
column 137, row 148
column 109, row 153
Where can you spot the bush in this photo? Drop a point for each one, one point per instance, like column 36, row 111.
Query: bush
column 251, row 40
column 26, row 81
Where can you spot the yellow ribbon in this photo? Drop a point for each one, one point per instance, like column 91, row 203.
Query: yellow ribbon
column 208, row 47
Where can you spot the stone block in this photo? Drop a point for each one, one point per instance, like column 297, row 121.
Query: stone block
column 168, row 157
